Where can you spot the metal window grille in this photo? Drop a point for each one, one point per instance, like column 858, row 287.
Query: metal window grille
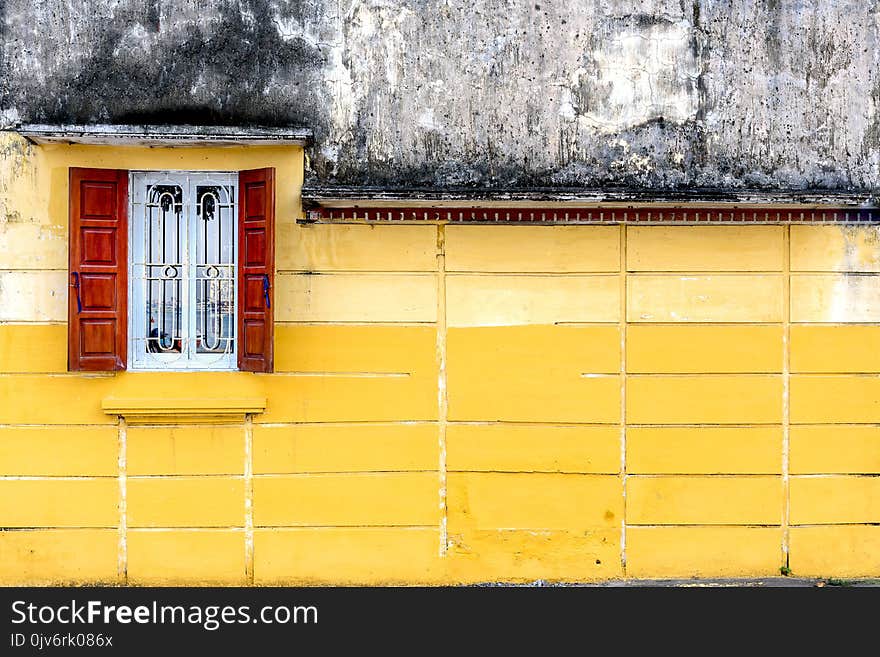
column 182, row 272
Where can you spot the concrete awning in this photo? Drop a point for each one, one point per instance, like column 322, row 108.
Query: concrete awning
column 163, row 135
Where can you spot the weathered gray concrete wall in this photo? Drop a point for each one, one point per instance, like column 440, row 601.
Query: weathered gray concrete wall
column 499, row 93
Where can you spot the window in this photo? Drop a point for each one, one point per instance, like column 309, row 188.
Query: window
column 182, row 271
column 171, row 270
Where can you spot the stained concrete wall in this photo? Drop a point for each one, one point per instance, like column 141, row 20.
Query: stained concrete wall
column 666, row 94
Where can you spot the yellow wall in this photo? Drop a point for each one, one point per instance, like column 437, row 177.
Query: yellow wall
column 457, row 404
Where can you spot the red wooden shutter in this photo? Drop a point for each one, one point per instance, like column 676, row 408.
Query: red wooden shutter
column 98, row 299
column 256, row 279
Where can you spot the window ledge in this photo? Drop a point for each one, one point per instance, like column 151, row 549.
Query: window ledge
column 142, row 409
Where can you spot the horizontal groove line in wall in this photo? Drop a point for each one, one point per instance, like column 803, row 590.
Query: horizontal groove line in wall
column 351, row 375
column 531, row 272
column 56, row 527
column 697, row 425
column 212, row 475
column 875, row 425
column 31, row 270
column 69, row 375
column 342, row 423
column 704, row 272
column 58, row 477
column 560, row 425
column 588, row 473
column 36, row 322
column 835, row 475
column 835, row 272
column 834, row 324
column 714, row 475
column 219, row 528
column 863, row 375
column 659, row 375
column 309, row 473
column 706, row 525
column 837, row 524
column 305, row 527
column 356, row 272
column 359, row 322
column 727, row 324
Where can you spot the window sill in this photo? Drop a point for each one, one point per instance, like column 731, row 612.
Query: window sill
column 151, row 410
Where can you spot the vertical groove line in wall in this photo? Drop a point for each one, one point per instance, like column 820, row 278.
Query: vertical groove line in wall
column 442, row 398
column 786, row 377
column 122, row 464
column 249, row 498
column 622, row 324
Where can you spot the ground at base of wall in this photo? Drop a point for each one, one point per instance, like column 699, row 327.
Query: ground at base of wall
column 764, row 582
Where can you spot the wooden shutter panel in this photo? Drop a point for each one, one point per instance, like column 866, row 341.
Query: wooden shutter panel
column 256, row 279
column 98, row 299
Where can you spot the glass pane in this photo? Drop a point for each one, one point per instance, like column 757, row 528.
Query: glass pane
column 163, row 268
column 214, row 269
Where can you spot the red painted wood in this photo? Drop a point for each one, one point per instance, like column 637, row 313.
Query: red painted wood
column 98, row 309
column 256, row 272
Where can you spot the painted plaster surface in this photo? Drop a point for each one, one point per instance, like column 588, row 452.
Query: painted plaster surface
column 665, row 94
column 455, row 404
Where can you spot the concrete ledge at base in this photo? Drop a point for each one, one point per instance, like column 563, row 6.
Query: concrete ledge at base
column 143, row 409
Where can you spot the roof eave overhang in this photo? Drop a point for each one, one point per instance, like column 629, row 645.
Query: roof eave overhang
column 336, row 197
column 162, row 135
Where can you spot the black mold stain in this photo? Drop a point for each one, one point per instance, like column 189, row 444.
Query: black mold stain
column 219, row 76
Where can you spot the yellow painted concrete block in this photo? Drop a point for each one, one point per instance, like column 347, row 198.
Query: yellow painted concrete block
column 703, row 500
column 335, row 556
column 304, row 448
column 533, row 501
column 402, row 499
column 33, row 296
column 533, row 373
column 572, row 399
column 350, row 398
column 827, row 399
column 703, row 551
column 59, row 502
column 835, row 349
column 47, row 557
column 185, row 450
column 710, row 399
column 356, row 298
column 33, row 348
column 59, row 451
column 185, row 502
column 346, row 348
column 835, row 500
column 704, row 298
column 181, row 557
column 328, row 247
column 32, row 245
column 704, row 450
column 835, row 450
column 704, row 248
column 499, row 300
column 838, row 298
column 35, row 399
column 532, row 448
column 842, row 551
column 545, row 351
column 511, row 555
column 835, row 248
column 697, row 349
column 187, row 384
column 512, row 249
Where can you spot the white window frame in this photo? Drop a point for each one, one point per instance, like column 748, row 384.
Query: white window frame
column 139, row 358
